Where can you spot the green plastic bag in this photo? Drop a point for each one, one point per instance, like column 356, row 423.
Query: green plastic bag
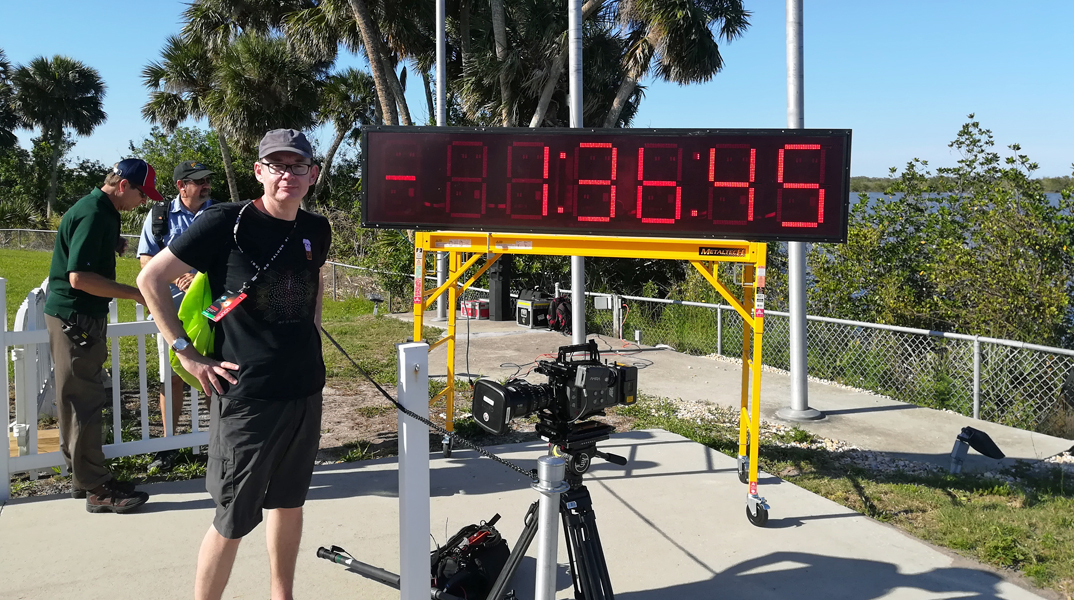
column 198, row 296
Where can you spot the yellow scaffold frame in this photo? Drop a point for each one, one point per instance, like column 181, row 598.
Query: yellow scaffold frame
column 465, row 249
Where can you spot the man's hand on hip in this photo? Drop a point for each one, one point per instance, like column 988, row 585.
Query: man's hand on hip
column 206, row 370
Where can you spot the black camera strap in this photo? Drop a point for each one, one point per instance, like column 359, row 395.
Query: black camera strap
column 532, row 474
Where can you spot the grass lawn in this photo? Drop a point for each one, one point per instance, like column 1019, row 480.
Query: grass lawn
column 369, row 341
column 24, row 270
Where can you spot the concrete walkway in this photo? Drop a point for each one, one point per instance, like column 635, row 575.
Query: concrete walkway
column 672, row 521
column 672, row 524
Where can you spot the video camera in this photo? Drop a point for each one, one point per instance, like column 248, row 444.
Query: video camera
column 577, row 388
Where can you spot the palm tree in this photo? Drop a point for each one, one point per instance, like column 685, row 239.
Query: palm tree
column 377, row 55
column 55, row 95
column 9, row 117
column 499, row 31
column 552, row 75
column 179, row 89
column 537, row 84
column 349, row 100
column 260, row 84
column 676, row 37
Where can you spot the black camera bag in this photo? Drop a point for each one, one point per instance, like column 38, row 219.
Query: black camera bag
column 469, row 563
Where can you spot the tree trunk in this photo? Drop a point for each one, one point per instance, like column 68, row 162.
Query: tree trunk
column 229, row 168
column 499, row 31
column 54, row 171
column 626, row 88
column 464, row 32
column 397, row 90
column 429, row 98
column 370, row 40
column 555, row 71
column 588, row 9
column 341, row 132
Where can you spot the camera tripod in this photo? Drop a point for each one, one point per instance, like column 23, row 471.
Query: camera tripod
column 576, row 442
column 589, row 570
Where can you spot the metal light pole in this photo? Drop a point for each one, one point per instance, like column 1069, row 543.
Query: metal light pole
column 574, row 37
column 441, row 120
column 799, row 409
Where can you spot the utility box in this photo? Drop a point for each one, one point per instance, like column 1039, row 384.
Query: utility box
column 532, row 314
column 475, row 309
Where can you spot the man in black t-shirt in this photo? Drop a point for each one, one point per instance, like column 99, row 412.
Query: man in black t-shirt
column 263, row 259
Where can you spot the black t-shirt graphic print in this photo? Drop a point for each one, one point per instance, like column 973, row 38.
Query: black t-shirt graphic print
column 271, row 334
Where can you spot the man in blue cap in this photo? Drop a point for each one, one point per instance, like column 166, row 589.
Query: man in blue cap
column 263, row 260
column 82, row 281
column 163, row 225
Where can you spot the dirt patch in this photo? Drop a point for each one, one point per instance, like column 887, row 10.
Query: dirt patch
column 355, row 414
column 357, row 423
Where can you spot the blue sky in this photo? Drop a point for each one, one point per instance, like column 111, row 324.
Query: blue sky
column 902, row 75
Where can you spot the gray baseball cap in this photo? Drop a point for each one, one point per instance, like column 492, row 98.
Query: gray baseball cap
column 285, row 140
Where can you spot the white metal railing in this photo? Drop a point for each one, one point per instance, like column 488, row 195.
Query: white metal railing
column 29, row 460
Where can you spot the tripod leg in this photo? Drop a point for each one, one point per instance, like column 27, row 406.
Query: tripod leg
column 589, row 570
column 515, row 559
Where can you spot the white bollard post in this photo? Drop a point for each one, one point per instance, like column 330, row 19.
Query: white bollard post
column 414, row 526
column 550, row 471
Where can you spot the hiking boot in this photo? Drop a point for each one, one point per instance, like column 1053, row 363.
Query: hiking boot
column 164, row 461
column 109, row 497
column 125, row 486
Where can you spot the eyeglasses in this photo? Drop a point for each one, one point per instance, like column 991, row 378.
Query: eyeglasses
column 202, row 181
column 141, row 193
column 281, row 168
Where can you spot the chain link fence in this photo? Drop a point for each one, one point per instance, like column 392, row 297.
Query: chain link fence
column 1003, row 381
column 43, row 240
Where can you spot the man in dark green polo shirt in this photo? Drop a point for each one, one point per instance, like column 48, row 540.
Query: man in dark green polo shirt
column 82, row 281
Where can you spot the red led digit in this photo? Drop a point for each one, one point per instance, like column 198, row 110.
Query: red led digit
column 661, row 189
column 527, row 183
column 467, row 168
column 801, row 170
column 732, row 172
column 405, row 159
column 593, row 173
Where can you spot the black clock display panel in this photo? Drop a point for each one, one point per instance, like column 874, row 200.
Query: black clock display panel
column 757, row 184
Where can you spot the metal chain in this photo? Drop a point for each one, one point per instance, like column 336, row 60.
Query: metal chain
column 531, row 474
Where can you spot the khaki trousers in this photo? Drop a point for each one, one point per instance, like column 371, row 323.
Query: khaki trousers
column 80, row 399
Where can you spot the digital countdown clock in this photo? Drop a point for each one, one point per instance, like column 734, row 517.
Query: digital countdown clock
column 750, row 184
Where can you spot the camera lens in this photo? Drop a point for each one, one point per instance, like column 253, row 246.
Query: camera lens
column 494, row 404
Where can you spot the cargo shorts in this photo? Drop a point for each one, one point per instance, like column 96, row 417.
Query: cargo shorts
column 261, row 455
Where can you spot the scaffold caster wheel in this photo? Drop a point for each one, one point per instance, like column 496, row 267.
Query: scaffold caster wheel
column 743, row 469
column 759, row 519
column 446, row 444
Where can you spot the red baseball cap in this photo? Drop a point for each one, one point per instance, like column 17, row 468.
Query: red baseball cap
column 141, row 174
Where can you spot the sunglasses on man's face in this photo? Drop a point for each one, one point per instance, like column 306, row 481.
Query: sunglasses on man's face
column 199, row 182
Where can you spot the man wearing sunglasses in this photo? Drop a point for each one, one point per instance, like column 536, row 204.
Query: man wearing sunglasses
column 163, row 225
column 82, row 281
column 263, row 260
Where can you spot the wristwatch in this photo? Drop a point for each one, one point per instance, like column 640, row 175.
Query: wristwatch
column 180, row 344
